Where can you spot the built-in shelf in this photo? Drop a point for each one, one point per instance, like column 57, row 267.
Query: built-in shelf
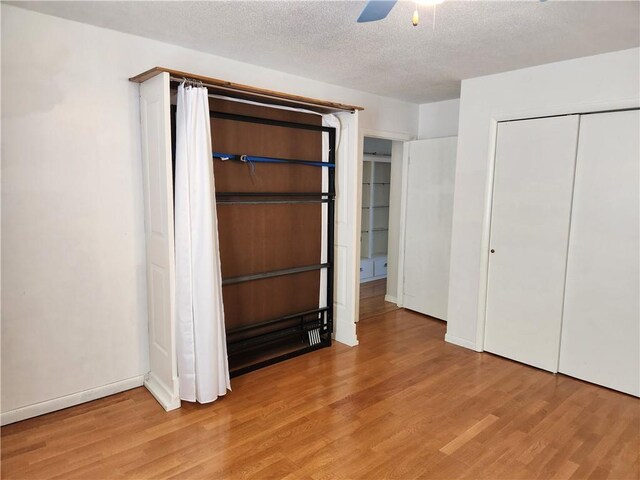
column 376, row 183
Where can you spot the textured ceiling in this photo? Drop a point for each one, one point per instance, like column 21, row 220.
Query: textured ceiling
column 321, row 39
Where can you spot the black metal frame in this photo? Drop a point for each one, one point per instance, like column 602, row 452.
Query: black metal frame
column 273, row 273
column 252, row 337
column 257, row 159
column 268, row 121
column 296, row 324
column 231, row 198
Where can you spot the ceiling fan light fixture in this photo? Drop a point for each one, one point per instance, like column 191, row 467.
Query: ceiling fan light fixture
column 376, row 10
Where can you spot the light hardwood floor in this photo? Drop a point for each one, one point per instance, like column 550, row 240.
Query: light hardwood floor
column 372, row 299
column 403, row 404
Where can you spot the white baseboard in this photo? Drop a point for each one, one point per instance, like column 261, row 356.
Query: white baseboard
column 59, row 403
column 165, row 397
column 390, row 298
column 346, row 336
column 348, row 341
column 461, row 342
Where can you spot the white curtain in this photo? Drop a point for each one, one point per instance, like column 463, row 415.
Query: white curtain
column 203, row 368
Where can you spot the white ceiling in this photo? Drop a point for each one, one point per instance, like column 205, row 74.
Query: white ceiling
column 321, row 39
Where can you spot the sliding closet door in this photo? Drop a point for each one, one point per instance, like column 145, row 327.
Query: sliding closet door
column 601, row 324
column 533, row 182
column 429, row 207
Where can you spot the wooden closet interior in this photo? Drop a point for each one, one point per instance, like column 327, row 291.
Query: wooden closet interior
column 275, row 241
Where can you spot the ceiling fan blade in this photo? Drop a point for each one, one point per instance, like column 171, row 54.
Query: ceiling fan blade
column 376, row 10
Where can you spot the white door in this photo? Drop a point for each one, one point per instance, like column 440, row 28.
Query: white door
column 429, row 211
column 162, row 380
column 601, row 325
column 533, row 181
column 347, row 235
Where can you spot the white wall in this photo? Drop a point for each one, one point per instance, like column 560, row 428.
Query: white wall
column 587, row 84
column 73, row 262
column 379, row 146
column 438, row 119
column 395, row 203
column 435, row 120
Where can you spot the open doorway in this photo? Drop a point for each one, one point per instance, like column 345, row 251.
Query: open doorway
column 382, row 161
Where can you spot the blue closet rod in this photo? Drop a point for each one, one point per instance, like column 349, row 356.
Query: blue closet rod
column 252, row 159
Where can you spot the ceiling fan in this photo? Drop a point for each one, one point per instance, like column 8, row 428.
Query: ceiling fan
column 376, row 10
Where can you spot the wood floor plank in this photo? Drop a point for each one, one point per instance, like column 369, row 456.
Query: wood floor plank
column 474, row 430
column 403, row 404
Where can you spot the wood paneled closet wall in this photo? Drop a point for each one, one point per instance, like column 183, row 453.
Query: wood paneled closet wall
column 257, row 238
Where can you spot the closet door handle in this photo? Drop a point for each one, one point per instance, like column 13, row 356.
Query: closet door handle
column 493, row 251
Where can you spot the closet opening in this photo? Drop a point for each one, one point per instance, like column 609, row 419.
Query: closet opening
column 275, row 192
column 380, row 224
column 283, row 169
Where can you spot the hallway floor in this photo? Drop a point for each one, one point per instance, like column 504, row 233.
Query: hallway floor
column 372, row 299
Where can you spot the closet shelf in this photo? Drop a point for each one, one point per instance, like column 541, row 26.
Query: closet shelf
column 379, row 157
column 248, row 92
column 376, row 180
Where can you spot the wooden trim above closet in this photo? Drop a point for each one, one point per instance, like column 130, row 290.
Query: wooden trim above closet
column 247, row 92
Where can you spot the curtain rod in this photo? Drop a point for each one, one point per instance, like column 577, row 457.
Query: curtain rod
column 191, row 81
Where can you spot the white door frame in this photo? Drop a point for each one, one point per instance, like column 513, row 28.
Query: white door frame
column 505, row 116
column 395, row 137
